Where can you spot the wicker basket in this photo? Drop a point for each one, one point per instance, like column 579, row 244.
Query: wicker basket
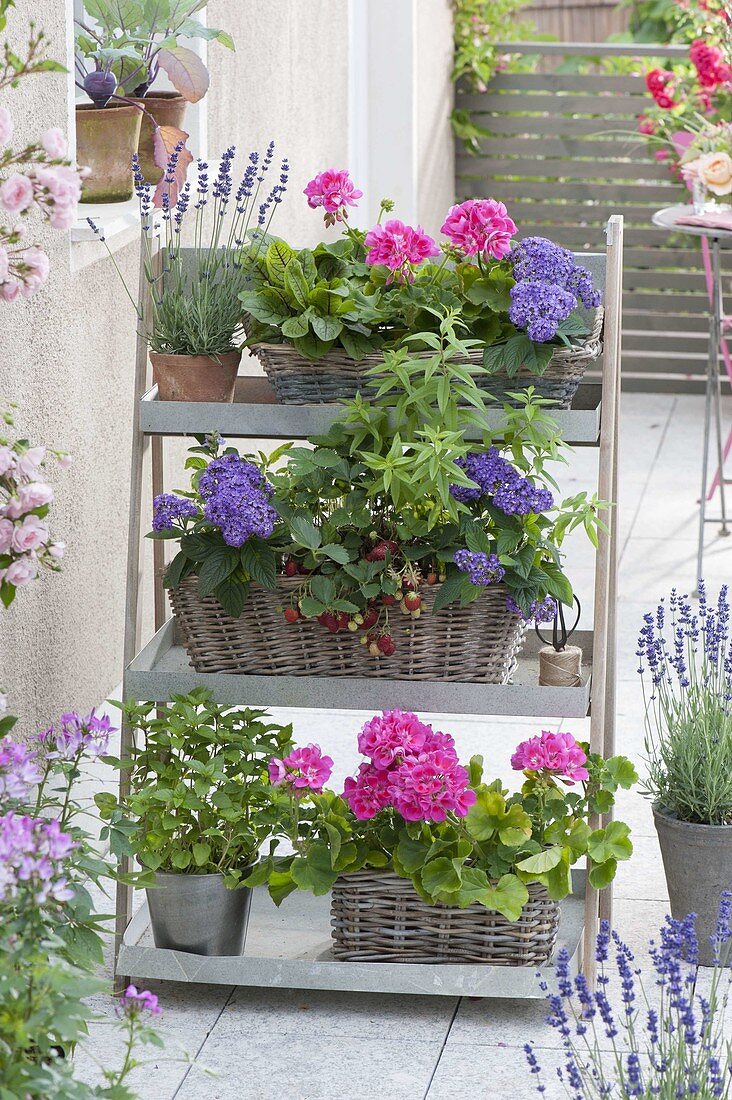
column 335, row 377
column 478, row 643
column 379, row 917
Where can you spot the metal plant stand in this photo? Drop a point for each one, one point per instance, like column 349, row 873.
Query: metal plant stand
column 666, row 218
column 290, row 946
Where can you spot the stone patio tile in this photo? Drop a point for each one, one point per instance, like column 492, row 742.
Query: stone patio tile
column 492, row 1073
column 269, row 1067
column 322, row 1016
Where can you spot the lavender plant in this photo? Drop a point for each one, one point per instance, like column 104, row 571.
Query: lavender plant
column 664, row 1040
column 195, row 288
column 686, row 671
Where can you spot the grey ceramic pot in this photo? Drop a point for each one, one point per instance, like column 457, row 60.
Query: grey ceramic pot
column 697, row 860
column 196, row 913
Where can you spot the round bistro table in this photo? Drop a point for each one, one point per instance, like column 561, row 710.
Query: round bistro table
column 667, row 219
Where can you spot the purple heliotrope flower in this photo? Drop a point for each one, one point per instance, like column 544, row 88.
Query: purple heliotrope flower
column 483, row 569
column 549, row 286
column 540, row 611
column 167, row 508
column 237, row 499
column 496, row 478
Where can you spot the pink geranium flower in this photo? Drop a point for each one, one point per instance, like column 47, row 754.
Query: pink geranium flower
column 399, row 247
column 368, row 792
column 389, row 736
column 480, row 226
column 333, row 190
column 555, row 754
column 301, row 770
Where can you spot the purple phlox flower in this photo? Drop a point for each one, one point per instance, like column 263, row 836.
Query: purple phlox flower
column 169, row 509
column 18, row 770
column 33, row 855
column 484, row 569
column 74, row 735
column 134, row 1003
column 540, row 611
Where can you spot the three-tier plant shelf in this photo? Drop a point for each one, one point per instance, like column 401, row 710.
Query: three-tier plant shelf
column 290, row 946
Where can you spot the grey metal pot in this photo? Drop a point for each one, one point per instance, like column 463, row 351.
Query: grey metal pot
column 198, row 914
column 697, row 860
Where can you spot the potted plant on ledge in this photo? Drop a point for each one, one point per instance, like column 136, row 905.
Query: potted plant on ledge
column 195, row 323
column 429, row 863
column 687, row 658
column 195, row 816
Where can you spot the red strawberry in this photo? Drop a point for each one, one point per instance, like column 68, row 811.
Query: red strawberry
column 413, row 601
column 388, row 600
column 379, row 552
column 343, row 620
column 302, row 570
column 431, row 578
column 328, row 619
column 386, row 645
column 370, row 618
column 291, row 614
column 290, row 568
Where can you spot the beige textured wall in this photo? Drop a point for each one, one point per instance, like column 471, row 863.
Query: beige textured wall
column 66, row 358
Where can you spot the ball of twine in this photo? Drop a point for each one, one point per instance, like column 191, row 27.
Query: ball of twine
column 560, row 669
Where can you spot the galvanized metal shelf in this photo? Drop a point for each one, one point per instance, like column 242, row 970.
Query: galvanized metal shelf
column 290, row 947
column 162, row 669
column 256, row 413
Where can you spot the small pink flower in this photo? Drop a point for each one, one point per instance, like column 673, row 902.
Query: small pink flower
column 388, row 737
column 31, row 534
column 480, row 226
column 31, row 496
column 7, row 460
column 57, row 549
column 554, row 754
column 6, row 126
column 16, row 194
column 64, row 460
column 38, row 267
column 7, row 527
column 368, row 792
column 54, row 142
column 302, row 769
column 9, row 291
column 399, row 246
column 333, row 190
column 28, row 463
column 21, row 571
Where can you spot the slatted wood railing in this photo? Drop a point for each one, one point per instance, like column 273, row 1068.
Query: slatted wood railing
column 563, row 153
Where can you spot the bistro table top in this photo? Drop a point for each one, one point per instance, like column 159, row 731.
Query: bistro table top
column 666, row 219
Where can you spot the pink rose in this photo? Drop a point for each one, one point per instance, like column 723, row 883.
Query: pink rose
column 9, row 291
column 7, row 460
column 54, row 142
column 31, row 534
column 6, row 535
column 6, row 126
column 29, row 462
column 21, row 571
column 4, row 264
column 56, row 550
column 38, row 266
column 34, row 495
column 16, row 194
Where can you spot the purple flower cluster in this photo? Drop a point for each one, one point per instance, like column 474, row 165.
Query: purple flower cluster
column 549, row 285
column 33, row 853
column 495, row 477
column 169, row 508
column 18, row 770
column 540, row 611
column 237, row 499
column 484, row 569
column 73, row 735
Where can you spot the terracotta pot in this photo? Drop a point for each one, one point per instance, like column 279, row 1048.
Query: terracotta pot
column 168, row 109
column 195, row 377
column 105, row 141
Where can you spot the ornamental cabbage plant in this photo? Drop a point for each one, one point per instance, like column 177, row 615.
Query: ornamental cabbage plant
column 414, row 808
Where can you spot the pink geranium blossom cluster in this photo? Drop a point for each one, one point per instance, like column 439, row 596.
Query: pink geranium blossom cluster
column 480, row 227
column 301, row 770
column 44, row 182
column 412, row 769
column 26, row 543
column 399, row 247
column 334, row 191
column 554, row 754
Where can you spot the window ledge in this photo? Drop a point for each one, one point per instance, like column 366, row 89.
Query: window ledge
column 111, row 218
